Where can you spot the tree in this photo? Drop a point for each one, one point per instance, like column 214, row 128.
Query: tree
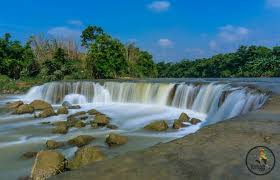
column 90, row 34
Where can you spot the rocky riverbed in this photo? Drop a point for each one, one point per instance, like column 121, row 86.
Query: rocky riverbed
column 214, row 152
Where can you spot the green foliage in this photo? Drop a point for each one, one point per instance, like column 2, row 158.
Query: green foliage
column 252, row 61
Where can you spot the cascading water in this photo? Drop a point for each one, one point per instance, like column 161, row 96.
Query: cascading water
column 217, row 101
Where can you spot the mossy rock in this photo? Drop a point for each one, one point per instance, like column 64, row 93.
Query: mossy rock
column 195, row 121
column 184, row 117
column 62, row 110
column 24, row 109
column 115, row 139
column 101, row 120
column 47, row 113
column 157, row 126
column 94, row 125
column 85, row 156
column 71, row 121
column 93, row 112
column 14, row 105
column 79, row 124
column 47, row 164
column 61, row 129
column 51, row 144
column 40, row 105
column 178, row 124
column 81, row 140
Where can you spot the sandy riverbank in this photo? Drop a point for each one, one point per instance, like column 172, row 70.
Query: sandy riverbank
column 214, row 152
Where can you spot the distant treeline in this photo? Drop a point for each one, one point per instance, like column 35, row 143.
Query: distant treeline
column 252, row 61
column 105, row 57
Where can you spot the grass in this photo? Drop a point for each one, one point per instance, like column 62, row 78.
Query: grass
column 10, row 86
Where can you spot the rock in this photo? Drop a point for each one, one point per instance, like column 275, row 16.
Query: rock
column 71, row 121
column 83, row 117
column 74, row 107
column 80, row 124
column 93, row 112
column 114, row 139
column 84, row 156
column 60, row 123
column 24, row 109
column 51, row 144
column 178, row 124
column 66, row 104
column 47, row 113
column 194, row 121
column 61, row 129
column 184, row 117
column 112, row 126
column 157, row 126
column 62, row 110
column 28, row 155
column 101, row 120
column 14, row 105
column 40, row 105
column 47, row 164
column 94, row 125
column 81, row 140
column 77, row 114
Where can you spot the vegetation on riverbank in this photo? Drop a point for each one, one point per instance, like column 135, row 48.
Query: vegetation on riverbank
column 104, row 57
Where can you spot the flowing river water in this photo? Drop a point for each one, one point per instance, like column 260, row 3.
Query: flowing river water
column 131, row 105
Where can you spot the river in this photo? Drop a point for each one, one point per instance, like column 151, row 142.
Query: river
column 131, row 105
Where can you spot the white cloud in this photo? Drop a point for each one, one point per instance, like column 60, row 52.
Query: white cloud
column 231, row 33
column 273, row 3
column 159, row 6
column 64, row 32
column 75, row 22
column 165, row 42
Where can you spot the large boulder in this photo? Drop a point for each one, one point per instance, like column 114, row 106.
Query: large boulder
column 94, row 125
column 115, row 139
column 157, row 126
column 62, row 110
column 60, row 123
column 47, row 113
column 101, row 120
column 51, row 144
column 24, row 109
column 40, row 105
column 61, row 129
column 195, row 121
column 84, row 156
column 184, row 117
column 47, row 164
column 81, row 140
column 14, row 105
column 79, row 124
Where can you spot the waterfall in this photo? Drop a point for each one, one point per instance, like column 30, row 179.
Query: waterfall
column 218, row 101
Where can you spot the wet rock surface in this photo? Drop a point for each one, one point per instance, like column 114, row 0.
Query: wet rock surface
column 84, row 156
column 157, row 126
column 47, row 164
column 81, row 140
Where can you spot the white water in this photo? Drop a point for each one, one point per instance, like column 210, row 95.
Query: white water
column 216, row 101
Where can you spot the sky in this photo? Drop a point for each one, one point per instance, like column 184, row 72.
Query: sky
column 171, row 30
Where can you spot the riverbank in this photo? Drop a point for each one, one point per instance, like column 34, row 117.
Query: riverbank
column 215, row 152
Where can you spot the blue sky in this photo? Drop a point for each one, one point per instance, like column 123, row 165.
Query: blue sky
column 171, row 30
